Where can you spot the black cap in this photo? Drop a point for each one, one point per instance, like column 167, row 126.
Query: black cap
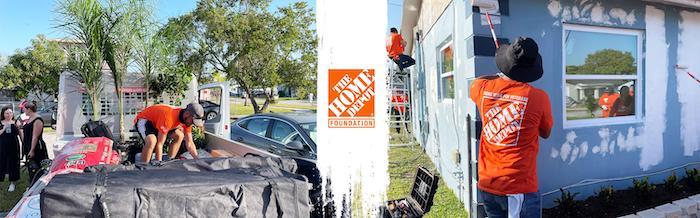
column 197, row 112
column 520, row 61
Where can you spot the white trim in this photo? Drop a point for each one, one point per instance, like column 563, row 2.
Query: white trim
column 448, row 42
column 638, row 78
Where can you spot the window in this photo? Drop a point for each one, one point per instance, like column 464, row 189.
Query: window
column 446, row 71
column 257, row 126
column 601, row 73
column 284, row 133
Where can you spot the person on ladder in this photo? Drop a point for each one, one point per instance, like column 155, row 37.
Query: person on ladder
column 394, row 46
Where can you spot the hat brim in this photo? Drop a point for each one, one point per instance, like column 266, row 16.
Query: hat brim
column 516, row 72
column 198, row 122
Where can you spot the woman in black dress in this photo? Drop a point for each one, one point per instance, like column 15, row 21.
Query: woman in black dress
column 9, row 148
column 34, row 140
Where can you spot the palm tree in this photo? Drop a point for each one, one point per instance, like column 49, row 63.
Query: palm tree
column 84, row 20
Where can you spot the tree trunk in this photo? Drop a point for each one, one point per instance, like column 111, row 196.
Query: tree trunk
column 148, row 91
column 120, row 108
column 94, row 100
column 267, row 103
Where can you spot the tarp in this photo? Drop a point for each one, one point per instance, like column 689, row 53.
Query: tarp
column 222, row 187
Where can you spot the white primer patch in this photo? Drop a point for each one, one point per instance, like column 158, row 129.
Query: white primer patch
column 688, row 88
column 595, row 149
column 584, row 149
column 574, row 155
column 604, row 134
column 568, row 146
column 554, row 8
column 623, row 16
column 554, row 153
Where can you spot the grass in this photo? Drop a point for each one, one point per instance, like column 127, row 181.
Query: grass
column 9, row 199
column 238, row 109
column 403, row 162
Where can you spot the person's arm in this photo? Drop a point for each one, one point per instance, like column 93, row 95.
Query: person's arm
column 36, row 132
column 547, row 121
column 403, row 42
column 3, row 129
column 20, row 130
column 189, row 143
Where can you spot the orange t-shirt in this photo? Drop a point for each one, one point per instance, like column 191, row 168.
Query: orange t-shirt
column 608, row 101
column 163, row 117
column 513, row 115
column 393, row 45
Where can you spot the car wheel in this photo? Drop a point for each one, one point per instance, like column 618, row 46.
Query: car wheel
column 211, row 115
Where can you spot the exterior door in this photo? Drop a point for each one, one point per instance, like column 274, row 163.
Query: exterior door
column 214, row 98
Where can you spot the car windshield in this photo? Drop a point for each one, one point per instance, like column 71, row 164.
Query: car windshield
column 310, row 128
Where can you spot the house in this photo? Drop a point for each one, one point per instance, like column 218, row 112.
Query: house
column 643, row 50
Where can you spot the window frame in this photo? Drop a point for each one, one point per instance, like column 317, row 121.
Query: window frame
column 638, row 78
column 441, row 75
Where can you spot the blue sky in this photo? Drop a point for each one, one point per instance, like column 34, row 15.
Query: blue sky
column 23, row 20
column 394, row 10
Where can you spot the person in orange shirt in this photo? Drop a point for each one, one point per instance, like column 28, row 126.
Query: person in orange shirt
column 514, row 114
column 607, row 100
column 157, row 122
column 395, row 47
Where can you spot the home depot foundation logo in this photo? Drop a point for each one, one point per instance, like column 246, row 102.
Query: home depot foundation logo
column 351, row 98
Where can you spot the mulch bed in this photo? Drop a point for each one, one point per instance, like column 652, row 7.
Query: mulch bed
column 625, row 202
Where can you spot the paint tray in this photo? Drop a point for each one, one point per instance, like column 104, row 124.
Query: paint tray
column 420, row 200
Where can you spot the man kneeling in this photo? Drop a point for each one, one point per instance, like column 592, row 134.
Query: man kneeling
column 156, row 122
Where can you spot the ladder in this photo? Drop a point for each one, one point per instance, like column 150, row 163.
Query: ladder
column 399, row 105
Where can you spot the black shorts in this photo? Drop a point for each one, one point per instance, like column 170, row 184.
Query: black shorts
column 145, row 128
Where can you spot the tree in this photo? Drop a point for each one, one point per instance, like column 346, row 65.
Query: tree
column 254, row 47
column 34, row 70
column 85, row 20
column 606, row 61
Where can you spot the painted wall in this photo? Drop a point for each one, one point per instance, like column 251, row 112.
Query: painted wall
column 666, row 136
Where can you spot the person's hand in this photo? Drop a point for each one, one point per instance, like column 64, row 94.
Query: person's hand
column 605, row 108
column 31, row 154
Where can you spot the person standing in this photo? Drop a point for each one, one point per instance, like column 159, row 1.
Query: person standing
column 607, row 100
column 9, row 148
column 624, row 105
column 514, row 115
column 33, row 141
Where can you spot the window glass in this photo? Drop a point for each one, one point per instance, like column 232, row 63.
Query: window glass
column 446, row 74
column 600, row 53
column 447, row 59
column 310, row 128
column 599, row 98
column 258, row 126
column 283, row 132
column 600, row 73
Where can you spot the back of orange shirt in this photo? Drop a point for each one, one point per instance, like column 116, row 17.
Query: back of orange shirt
column 513, row 115
column 163, row 117
column 393, row 45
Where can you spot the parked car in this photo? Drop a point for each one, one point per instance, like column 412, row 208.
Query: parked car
column 48, row 114
column 287, row 135
column 211, row 109
column 292, row 134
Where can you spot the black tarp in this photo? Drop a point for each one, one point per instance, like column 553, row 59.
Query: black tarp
column 221, row 187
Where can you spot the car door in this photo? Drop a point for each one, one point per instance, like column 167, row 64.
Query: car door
column 217, row 112
column 254, row 132
column 283, row 132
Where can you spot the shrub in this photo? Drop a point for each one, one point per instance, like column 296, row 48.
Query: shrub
column 642, row 187
column 692, row 176
column 566, row 202
column 200, row 141
column 605, row 195
column 671, row 183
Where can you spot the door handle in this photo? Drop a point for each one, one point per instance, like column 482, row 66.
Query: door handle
column 239, row 139
column 271, row 150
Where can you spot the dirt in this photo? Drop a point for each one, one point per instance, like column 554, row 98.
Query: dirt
column 626, row 201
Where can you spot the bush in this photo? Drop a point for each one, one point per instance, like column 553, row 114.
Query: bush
column 693, row 178
column 643, row 188
column 671, row 183
column 198, row 136
column 566, row 203
column 605, row 195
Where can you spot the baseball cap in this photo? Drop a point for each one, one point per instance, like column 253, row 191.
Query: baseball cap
column 197, row 112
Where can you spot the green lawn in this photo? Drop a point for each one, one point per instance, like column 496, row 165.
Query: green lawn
column 238, row 109
column 9, row 199
column 403, row 162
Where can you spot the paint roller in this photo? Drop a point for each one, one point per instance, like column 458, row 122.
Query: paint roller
column 487, row 5
column 685, row 69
